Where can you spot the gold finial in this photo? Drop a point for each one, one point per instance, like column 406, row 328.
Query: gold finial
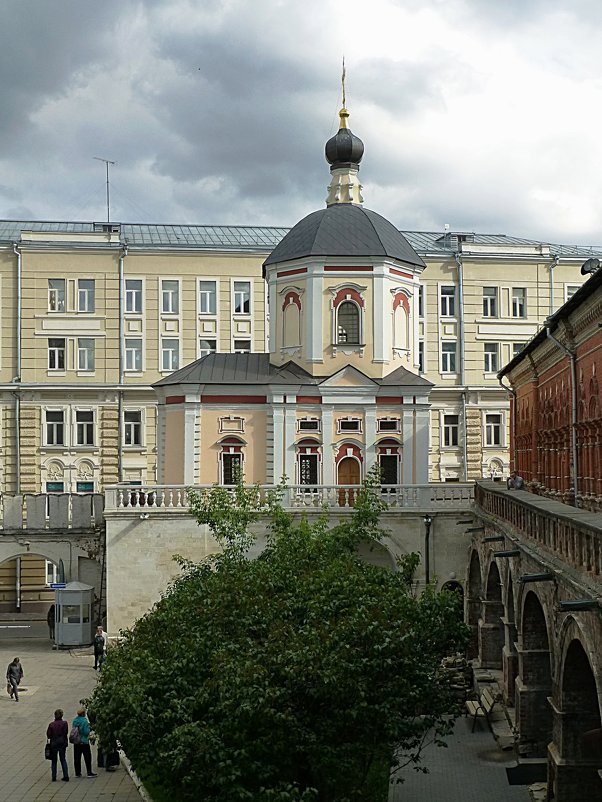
column 343, row 114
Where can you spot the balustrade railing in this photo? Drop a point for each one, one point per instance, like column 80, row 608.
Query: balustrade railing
column 151, row 498
column 574, row 535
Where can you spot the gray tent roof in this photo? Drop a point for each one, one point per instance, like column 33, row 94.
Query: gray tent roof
column 344, row 229
column 254, row 369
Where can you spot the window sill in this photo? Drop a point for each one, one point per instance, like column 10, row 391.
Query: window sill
column 56, row 373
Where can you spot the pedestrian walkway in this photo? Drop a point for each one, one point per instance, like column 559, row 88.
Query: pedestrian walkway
column 52, row 679
column 471, row 769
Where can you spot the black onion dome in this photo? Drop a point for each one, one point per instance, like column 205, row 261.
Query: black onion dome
column 344, row 148
column 344, row 229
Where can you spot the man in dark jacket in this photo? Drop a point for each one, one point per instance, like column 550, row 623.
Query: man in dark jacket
column 14, row 675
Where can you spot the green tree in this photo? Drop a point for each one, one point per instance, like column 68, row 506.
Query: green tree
column 287, row 677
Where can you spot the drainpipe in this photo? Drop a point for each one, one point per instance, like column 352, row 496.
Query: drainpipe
column 18, row 584
column 513, row 393
column 17, row 378
column 122, row 255
column 570, row 352
column 553, row 264
column 461, row 355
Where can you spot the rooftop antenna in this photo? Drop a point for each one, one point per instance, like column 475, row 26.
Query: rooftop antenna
column 107, row 162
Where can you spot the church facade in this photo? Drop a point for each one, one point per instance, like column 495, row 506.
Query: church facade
column 340, row 389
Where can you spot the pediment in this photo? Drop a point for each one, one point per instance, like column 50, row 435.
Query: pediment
column 349, row 377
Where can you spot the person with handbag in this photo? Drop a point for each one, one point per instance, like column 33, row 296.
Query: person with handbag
column 14, row 675
column 57, row 739
column 80, row 738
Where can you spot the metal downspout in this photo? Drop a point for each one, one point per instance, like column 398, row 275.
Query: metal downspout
column 514, row 449
column 462, row 365
column 553, row 264
column 573, row 362
column 17, row 378
column 122, row 256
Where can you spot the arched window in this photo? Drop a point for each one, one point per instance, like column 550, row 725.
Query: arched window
column 348, row 323
column 231, row 460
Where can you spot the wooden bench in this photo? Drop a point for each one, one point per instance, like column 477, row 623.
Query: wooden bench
column 482, row 707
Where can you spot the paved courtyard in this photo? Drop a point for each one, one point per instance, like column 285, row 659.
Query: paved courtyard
column 52, row 679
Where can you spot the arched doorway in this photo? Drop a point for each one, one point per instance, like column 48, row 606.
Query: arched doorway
column 348, row 473
column 534, row 683
column 573, row 762
column 473, row 605
column 491, row 627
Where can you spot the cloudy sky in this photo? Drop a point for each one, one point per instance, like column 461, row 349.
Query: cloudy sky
column 484, row 114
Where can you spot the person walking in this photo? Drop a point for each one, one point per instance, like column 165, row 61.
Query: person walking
column 100, row 647
column 14, row 675
column 57, row 735
column 82, row 749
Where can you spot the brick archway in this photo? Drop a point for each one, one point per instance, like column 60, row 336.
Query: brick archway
column 534, row 684
column 491, row 627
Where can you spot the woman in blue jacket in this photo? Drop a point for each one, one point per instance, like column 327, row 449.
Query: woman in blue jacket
column 83, row 747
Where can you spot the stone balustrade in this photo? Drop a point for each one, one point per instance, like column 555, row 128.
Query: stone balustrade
column 431, row 497
column 573, row 535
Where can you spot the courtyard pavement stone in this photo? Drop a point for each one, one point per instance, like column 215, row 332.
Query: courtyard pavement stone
column 51, row 679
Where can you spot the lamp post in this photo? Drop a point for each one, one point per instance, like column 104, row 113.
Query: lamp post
column 427, row 535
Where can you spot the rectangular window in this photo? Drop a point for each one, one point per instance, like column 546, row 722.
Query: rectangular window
column 451, row 428
column 387, row 425
column 489, row 301
column 308, row 469
column 56, row 294
column 570, row 290
column 55, row 487
column 207, row 347
column 132, row 427
column 86, row 348
column 55, row 428
column 56, row 353
column 421, row 300
column 448, row 301
column 207, row 297
column 389, row 469
column 231, row 423
column 242, row 297
column 517, row 348
column 231, row 468
column 421, row 356
column 242, row 346
column 133, row 355
column 84, row 427
column 86, row 297
column 170, row 297
column 493, row 429
column 519, row 302
column 491, row 354
column 448, row 357
column 308, row 425
column 170, row 354
column 52, row 573
column 133, row 296
column 349, row 425
column 84, row 487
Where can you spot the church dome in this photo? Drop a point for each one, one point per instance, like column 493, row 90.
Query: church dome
column 344, row 147
column 344, row 230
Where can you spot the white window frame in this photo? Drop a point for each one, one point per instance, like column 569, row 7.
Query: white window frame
column 356, row 430
column 84, row 431
column 315, row 458
column 86, row 295
column 421, row 357
column 56, row 295
column 570, row 290
column 447, row 355
column 448, row 429
column 232, row 423
column 55, row 351
column 129, row 352
column 316, row 428
column 134, row 296
column 489, row 429
column 224, row 454
column 236, row 348
column 491, row 357
column 206, row 351
column 396, row 421
column 207, row 298
column 447, row 301
column 517, row 348
column 133, row 427
column 491, row 302
column 86, row 354
column 421, row 301
column 519, row 302
column 167, row 354
column 54, row 424
column 52, row 573
column 170, row 296
column 238, row 295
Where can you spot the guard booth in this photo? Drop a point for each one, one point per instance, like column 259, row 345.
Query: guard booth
column 73, row 615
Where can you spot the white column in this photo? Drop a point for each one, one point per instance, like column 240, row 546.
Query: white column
column 191, row 455
column 370, row 437
column 278, row 450
column 290, row 428
column 407, row 422
column 421, row 446
column 328, row 473
column 381, row 319
column 273, row 312
column 314, row 312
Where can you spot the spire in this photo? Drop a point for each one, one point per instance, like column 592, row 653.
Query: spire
column 344, row 153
